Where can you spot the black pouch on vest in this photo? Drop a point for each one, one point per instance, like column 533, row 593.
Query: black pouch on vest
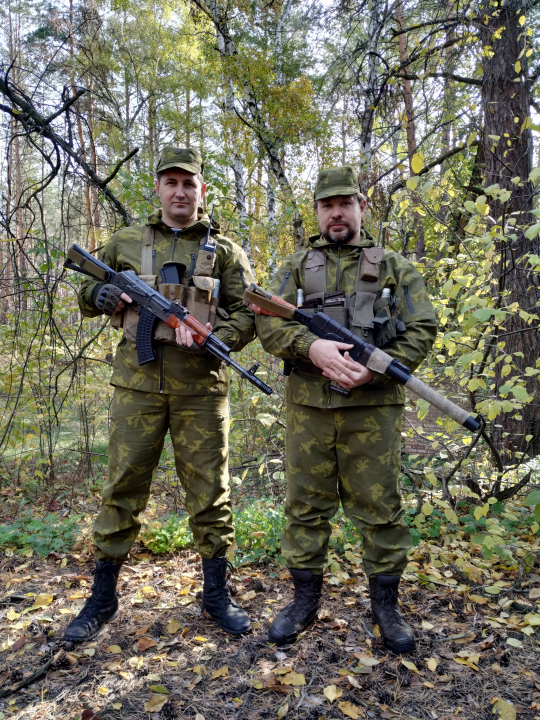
column 387, row 322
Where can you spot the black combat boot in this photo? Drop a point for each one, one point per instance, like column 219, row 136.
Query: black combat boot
column 217, row 601
column 298, row 614
column 101, row 607
column 396, row 633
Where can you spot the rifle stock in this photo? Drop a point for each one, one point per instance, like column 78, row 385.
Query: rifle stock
column 375, row 359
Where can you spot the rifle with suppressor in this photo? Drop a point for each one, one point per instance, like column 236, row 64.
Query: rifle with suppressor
column 152, row 307
column 375, row 359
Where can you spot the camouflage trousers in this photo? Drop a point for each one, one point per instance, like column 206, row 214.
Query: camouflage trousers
column 199, row 428
column 348, row 454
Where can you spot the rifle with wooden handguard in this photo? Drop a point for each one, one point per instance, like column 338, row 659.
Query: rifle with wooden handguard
column 152, row 307
column 375, row 359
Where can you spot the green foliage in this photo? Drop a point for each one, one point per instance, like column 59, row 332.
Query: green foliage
column 41, row 535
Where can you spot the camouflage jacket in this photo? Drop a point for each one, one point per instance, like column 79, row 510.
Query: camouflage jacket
column 175, row 371
column 288, row 339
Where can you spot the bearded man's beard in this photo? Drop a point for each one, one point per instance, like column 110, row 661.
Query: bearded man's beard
column 342, row 237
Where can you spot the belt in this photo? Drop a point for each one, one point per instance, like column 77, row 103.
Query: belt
column 307, row 367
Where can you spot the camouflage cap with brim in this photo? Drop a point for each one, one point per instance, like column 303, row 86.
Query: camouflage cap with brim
column 341, row 180
column 183, row 158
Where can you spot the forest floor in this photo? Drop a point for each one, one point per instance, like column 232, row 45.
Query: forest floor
column 162, row 659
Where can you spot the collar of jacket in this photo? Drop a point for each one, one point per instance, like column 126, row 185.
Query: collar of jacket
column 318, row 242
column 201, row 224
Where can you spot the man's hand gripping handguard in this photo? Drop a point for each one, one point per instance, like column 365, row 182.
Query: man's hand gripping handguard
column 152, row 307
column 375, row 359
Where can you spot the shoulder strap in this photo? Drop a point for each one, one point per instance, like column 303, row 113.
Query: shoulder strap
column 366, row 287
column 146, row 251
column 315, row 276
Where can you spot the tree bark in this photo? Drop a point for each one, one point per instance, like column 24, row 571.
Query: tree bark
column 372, row 90
column 506, row 103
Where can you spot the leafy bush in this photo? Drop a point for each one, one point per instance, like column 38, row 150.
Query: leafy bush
column 258, row 529
column 166, row 537
column 41, row 535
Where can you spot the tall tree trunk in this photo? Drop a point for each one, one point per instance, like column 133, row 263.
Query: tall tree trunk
column 506, row 101
column 272, row 226
column 258, row 123
column 188, row 118
column 420, row 245
column 372, row 90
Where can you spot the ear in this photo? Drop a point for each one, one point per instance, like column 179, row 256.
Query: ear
column 156, row 183
column 363, row 208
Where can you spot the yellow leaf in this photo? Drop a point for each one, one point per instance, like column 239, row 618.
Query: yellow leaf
column 11, row 615
column 222, row 672
column 432, row 664
column 173, row 626
column 114, row 649
column 352, row 711
column 43, row 601
column 249, row 595
column 136, row 662
column 514, row 642
column 293, row 678
column 63, row 565
column 417, row 163
column 376, row 631
column 425, row 624
column 103, row 691
column 117, row 706
column 159, row 689
column 126, row 675
column 427, row 509
column 522, row 20
column 90, row 652
column 77, row 595
column 410, row 666
column 155, row 703
column 504, row 710
column 451, row 516
column 199, row 638
column 283, row 710
column 517, row 67
column 114, row 666
column 331, row 693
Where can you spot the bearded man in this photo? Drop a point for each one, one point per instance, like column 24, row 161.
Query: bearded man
column 344, row 422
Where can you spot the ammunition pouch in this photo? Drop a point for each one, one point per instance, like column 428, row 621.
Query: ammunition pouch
column 195, row 294
column 388, row 323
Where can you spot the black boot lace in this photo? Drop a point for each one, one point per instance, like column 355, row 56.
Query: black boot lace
column 305, row 595
column 389, row 607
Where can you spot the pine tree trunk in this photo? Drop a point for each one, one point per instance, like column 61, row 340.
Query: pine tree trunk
column 506, row 101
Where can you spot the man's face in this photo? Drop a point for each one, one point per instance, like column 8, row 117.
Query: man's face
column 340, row 218
column 180, row 193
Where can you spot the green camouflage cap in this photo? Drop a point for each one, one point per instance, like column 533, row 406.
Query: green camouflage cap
column 341, row 180
column 184, row 158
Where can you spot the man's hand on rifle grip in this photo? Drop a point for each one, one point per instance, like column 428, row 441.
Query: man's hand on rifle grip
column 184, row 336
column 326, row 355
column 124, row 298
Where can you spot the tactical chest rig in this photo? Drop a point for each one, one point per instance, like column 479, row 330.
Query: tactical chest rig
column 198, row 293
column 355, row 310
column 374, row 319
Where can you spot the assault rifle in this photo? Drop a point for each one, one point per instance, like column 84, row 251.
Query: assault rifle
column 375, row 359
column 152, row 307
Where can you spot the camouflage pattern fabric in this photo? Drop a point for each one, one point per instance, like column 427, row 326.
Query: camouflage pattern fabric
column 352, row 455
column 289, row 339
column 176, row 371
column 199, row 431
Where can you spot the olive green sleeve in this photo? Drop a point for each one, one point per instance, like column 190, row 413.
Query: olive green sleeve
column 419, row 316
column 88, row 286
column 239, row 328
column 285, row 338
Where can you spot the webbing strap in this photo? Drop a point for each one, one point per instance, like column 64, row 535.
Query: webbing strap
column 146, row 251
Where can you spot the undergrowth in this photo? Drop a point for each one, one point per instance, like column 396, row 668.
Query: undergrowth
column 42, row 536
